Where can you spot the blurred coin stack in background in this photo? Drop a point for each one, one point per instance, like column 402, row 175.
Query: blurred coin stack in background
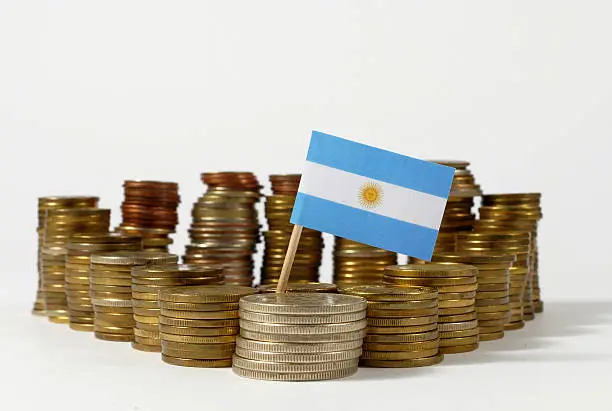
column 60, row 224
column 492, row 296
column 402, row 326
column 44, row 204
column 456, row 285
column 507, row 242
column 110, row 285
column 279, row 207
column 149, row 210
column 458, row 216
column 299, row 336
column 359, row 264
column 199, row 324
column 147, row 281
column 225, row 227
column 301, row 288
column 80, row 248
column 518, row 212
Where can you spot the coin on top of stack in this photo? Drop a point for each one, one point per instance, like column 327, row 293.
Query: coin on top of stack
column 402, row 326
column 358, row 264
column 301, row 287
column 299, row 336
column 80, row 248
column 111, row 290
column 147, row 281
column 456, row 285
column 198, row 324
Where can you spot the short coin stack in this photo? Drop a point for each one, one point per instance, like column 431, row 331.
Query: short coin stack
column 150, row 211
column 358, row 264
column 279, row 207
column 301, row 288
column 147, row 281
column 80, row 248
column 60, row 224
column 225, row 226
column 456, row 285
column 299, row 336
column 199, row 324
column 111, row 291
column 44, row 204
column 402, row 326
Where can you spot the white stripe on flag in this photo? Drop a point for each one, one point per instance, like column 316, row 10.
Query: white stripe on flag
column 397, row 202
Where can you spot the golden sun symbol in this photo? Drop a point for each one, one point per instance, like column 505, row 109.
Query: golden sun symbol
column 370, row 195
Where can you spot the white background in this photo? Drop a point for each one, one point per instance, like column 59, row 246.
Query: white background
column 93, row 93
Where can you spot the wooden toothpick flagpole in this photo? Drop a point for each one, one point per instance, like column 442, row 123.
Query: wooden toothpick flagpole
column 289, row 257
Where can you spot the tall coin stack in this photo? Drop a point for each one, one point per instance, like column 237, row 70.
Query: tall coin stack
column 149, row 210
column 508, row 242
column 199, row 325
column 111, row 290
column 45, row 203
column 80, row 248
column 359, row 264
column 518, row 211
column 456, row 285
column 279, row 207
column 60, row 224
column 225, row 227
column 493, row 294
column 458, row 216
column 301, row 288
column 299, row 336
column 147, row 281
column 402, row 326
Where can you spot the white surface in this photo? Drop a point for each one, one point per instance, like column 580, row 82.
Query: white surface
column 398, row 202
column 93, row 93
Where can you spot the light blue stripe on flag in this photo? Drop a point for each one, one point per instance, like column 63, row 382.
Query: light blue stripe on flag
column 363, row 226
column 379, row 164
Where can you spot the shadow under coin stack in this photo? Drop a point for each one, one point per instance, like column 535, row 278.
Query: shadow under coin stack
column 493, row 294
column 80, row 248
column 111, row 290
column 301, row 288
column 147, row 282
column 279, row 207
column 523, row 212
column 402, row 326
column 60, row 224
column 149, row 210
column 456, row 285
column 225, row 228
column 199, row 325
column 508, row 242
column 359, row 264
column 44, row 204
column 299, row 336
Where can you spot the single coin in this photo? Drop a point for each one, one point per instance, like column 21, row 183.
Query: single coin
column 431, row 270
column 492, row 301
column 302, row 329
column 401, row 322
column 199, row 347
column 147, row 312
column 493, row 309
column 459, row 333
column 200, row 315
column 398, row 355
column 492, row 336
column 111, row 329
column 457, row 303
column 401, row 338
column 116, row 310
column 188, row 362
column 458, row 349
column 391, row 293
column 146, row 319
column 198, row 331
column 146, row 333
column 147, row 341
column 146, row 347
column 194, row 339
column 144, row 296
column 457, row 296
column 456, row 310
column 145, row 304
column 205, row 294
column 304, row 338
column 303, row 303
column 296, row 348
column 302, row 319
column 181, row 322
column 492, row 323
column 198, row 307
column 301, row 288
column 491, row 295
column 402, row 305
column 428, row 282
column 299, row 376
column 490, row 329
column 492, row 287
column 81, row 327
column 403, row 330
column 417, row 362
column 464, row 325
column 500, row 315
column 412, row 346
column 113, row 337
column 451, row 342
column 394, row 313
column 197, row 355
column 457, row 289
column 457, row 318
column 298, row 358
column 292, row 367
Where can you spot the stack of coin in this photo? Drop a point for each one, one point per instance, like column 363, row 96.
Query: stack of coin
column 402, row 326
column 45, row 203
column 299, row 336
column 509, row 242
column 359, row 264
column 147, row 281
column 518, row 211
column 149, row 210
column 111, row 290
column 225, row 228
column 198, row 325
column 279, row 207
column 493, row 294
column 60, row 224
column 80, row 248
column 301, row 288
column 456, row 285
column 458, row 216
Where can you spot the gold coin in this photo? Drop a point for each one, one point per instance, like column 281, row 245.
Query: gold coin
column 401, row 330
column 204, row 332
column 181, row 322
column 305, row 338
column 147, row 327
column 457, row 318
column 492, row 336
column 391, row 293
column 146, row 333
column 493, row 329
column 197, row 355
column 192, row 339
column 398, row 355
column 188, row 362
column 147, row 312
column 408, row 305
column 147, row 341
column 458, row 288
column 395, row 313
column 417, row 362
column 428, row 282
column 493, row 309
column 145, row 319
column 492, row 301
column 198, row 307
column 145, row 296
column 146, row 347
column 457, row 326
column 457, row 310
column 401, row 338
column 303, row 303
column 200, row 315
column 501, row 315
column 469, row 302
column 113, row 337
column 459, row 333
column 145, row 304
column 206, row 294
column 458, row 349
column 457, row 296
column 401, row 322
column 81, row 327
column 110, row 329
column 451, row 342
column 412, row 346
column 430, row 270
column 492, row 323
column 491, row 294
column 492, row 287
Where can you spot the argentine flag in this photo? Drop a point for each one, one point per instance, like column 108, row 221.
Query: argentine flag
column 372, row 196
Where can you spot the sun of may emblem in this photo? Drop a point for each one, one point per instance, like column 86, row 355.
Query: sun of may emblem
column 370, row 194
